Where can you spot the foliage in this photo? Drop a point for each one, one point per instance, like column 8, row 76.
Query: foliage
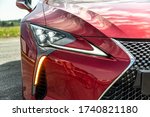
column 9, row 23
column 9, row 28
column 6, row 32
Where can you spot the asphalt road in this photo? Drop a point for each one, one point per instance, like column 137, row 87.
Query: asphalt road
column 10, row 69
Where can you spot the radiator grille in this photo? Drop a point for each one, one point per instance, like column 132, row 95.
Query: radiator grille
column 123, row 89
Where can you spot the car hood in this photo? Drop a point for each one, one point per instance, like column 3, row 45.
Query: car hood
column 130, row 19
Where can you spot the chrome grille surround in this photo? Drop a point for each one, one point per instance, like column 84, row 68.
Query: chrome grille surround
column 123, row 88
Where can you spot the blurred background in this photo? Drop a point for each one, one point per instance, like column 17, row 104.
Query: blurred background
column 10, row 59
column 10, row 17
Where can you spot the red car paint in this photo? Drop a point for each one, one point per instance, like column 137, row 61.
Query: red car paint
column 71, row 75
column 118, row 20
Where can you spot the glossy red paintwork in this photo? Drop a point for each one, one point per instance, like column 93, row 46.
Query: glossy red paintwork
column 73, row 75
column 132, row 19
column 29, row 49
column 114, row 19
column 36, row 16
column 78, row 76
column 28, row 56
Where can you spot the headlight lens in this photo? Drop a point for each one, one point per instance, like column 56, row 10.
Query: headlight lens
column 46, row 37
column 58, row 39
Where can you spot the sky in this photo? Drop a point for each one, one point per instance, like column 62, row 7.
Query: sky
column 9, row 11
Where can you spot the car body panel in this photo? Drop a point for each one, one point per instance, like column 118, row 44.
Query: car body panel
column 134, row 22
column 29, row 49
column 73, row 75
column 79, row 76
column 113, row 19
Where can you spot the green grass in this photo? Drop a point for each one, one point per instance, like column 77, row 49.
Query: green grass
column 7, row 32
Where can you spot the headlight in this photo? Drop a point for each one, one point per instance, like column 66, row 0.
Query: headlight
column 47, row 37
column 57, row 39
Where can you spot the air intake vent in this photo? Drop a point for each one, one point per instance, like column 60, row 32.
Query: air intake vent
column 41, row 88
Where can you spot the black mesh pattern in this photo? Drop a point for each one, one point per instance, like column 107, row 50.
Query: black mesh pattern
column 124, row 89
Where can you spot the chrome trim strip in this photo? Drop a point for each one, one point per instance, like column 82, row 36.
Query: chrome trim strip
column 132, row 60
column 95, row 50
column 40, row 53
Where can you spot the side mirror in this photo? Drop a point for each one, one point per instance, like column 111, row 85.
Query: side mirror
column 24, row 4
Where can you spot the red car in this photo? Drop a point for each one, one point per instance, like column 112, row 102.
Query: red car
column 86, row 49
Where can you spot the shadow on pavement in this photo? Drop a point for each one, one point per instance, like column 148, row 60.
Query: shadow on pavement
column 10, row 81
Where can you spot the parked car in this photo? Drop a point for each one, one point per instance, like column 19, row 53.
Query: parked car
column 86, row 49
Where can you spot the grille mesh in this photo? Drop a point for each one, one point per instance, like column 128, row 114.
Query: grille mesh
column 123, row 89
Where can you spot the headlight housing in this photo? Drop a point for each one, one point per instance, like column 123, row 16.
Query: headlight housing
column 48, row 37
column 58, row 39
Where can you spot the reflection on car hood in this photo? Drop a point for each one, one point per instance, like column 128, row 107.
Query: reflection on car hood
column 116, row 19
